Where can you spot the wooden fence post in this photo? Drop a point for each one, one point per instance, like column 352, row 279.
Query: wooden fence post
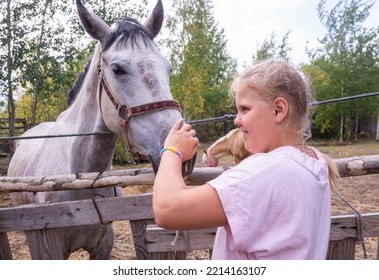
column 342, row 249
column 5, row 249
column 49, row 250
column 138, row 228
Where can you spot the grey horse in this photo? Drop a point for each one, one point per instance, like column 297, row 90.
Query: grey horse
column 124, row 91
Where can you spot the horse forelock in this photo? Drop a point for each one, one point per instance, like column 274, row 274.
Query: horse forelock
column 129, row 31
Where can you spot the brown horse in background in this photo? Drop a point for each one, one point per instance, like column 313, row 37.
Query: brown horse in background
column 231, row 144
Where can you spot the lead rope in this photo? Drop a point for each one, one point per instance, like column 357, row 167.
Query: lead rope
column 186, row 239
column 358, row 217
column 96, row 195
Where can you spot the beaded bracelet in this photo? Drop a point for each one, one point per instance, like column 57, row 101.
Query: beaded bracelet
column 172, row 149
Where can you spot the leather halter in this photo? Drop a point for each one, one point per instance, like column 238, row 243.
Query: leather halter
column 126, row 113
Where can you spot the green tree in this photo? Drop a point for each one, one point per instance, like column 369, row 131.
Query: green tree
column 349, row 59
column 271, row 49
column 45, row 49
column 202, row 68
column 13, row 25
column 323, row 124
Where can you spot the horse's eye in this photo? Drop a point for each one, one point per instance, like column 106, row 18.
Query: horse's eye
column 117, row 70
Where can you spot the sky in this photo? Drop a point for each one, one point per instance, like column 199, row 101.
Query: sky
column 247, row 23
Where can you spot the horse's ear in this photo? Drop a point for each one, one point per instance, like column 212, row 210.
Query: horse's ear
column 154, row 22
column 94, row 26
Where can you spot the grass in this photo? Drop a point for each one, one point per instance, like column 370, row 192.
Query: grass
column 349, row 150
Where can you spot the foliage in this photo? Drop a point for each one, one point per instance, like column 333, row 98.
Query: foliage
column 50, row 48
column 348, row 60
column 121, row 155
column 271, row 49
column 202, row 68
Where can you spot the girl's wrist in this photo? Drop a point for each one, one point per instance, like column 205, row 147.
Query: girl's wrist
column 171, row 149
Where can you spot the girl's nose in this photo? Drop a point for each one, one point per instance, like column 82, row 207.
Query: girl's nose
column 237, row 120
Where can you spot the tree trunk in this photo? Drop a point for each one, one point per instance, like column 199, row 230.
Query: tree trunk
column 377, row 129
column 11, row 107
column 341, row 128
column 38, row 61
column 356, row 128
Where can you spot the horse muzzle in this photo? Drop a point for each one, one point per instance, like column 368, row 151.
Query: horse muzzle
column 187, row 166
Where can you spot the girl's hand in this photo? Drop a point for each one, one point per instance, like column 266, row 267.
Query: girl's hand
column 183, row 139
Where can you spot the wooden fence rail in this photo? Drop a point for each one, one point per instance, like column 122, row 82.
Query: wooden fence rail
column 354, row 166
column 342, row 241
column 138, row 209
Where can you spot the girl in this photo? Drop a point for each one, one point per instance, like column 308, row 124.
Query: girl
column 276, row 203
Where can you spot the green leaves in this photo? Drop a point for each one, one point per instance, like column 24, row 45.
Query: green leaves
column 348, row 63
column 202, row 68
column 49, row 49
column 271, row 49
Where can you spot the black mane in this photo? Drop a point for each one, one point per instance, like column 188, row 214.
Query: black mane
column 78, row 85
column 128, row 30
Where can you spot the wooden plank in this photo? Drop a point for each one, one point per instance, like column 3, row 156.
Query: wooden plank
column 343, row 238
column 5, row 249
column 344, row 226
column 78, row 181
column 342, row 249
column 355, row 166
column 136, row 207
column 181, row 255
column 43, row 246
column 161, row 240
column 138, row 228
column 75, row 213
column 161, row 248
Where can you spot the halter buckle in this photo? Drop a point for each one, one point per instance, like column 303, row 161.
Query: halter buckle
column 125, row 115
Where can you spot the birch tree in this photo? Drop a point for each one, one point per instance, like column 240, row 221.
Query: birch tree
column 348, row 57
column 202, row 67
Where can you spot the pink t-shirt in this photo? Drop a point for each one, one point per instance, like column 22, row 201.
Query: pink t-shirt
column 277, row 205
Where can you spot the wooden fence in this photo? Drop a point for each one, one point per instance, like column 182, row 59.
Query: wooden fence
column 150, row 241
column 20, row 127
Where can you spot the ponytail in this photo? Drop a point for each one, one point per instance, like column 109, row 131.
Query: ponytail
column 333, row 171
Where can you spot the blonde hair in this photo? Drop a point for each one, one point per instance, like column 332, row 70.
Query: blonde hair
column 274, row 78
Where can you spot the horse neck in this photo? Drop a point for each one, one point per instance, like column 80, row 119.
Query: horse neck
column 93, row 153
column 85, row 103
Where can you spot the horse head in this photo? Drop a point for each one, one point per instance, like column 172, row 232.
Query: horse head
column 232, row 144
column 134, row 94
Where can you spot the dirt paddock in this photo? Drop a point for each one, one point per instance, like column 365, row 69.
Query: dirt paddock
column 362, row 192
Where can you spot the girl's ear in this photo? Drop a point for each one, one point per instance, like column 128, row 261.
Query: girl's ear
column 281, row 109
